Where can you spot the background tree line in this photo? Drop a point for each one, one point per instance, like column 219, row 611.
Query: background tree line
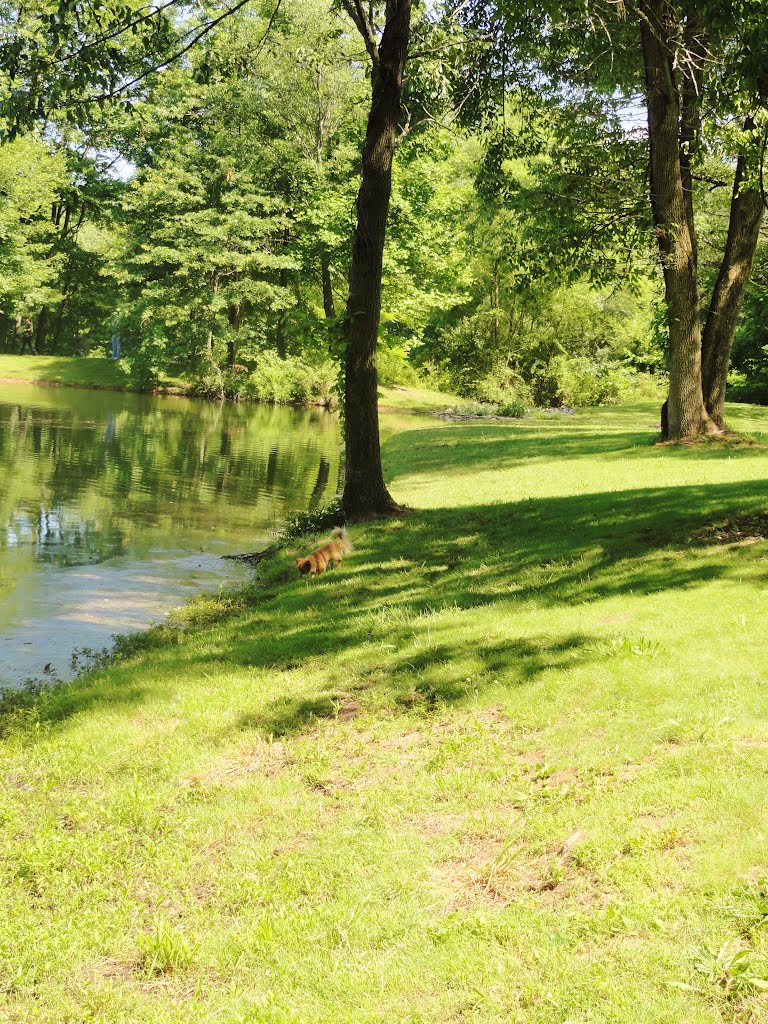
column 570, row 182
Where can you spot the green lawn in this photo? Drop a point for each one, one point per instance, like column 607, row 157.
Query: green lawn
column 507, row 764
column 416, row 400
column 71, row 370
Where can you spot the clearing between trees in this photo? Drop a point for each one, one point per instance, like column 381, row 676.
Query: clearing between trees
column 506, row 764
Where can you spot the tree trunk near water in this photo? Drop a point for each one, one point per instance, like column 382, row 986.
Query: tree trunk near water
column 672, row 209
column 747, row 211
column 365, row 493
column 329, row 307
column 233, row 315
column 42, row 325
column 280, row 345
column 58, row 326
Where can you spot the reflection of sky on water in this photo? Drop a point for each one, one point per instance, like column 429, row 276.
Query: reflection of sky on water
column 57, row 538
column 82, row 607
column 115, row 508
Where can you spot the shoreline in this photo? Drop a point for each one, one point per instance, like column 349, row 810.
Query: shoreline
column 43, row 383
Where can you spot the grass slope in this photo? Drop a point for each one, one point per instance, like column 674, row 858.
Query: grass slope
column 507, row 764
column 416, row 400
column 101, row 373
column 67, row 370
column 73, row 371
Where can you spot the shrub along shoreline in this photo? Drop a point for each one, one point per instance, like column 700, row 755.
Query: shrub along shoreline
column 291, row 381
column 508, row 761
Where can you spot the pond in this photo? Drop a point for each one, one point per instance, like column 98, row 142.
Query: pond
column 115, row 508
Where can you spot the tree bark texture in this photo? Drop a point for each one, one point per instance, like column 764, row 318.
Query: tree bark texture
column 747, row 211
column 672, row 214
column 365, row 493
column 329, row 307
column 42, row 326
column 280, row 342
column 233, row 315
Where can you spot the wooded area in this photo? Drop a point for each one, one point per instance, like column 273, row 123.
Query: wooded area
column 575, row 211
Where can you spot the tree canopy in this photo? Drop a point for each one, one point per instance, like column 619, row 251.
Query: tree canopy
column 575, row 195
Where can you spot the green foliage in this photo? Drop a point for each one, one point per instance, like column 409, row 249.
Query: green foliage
column 513, row 408
column 582, row 381
column 289, row 380
column 315, row 520
column 748, row 381
column 394, row 369
column 516, row 242
column 569, row 345
column 31, row 178
column 163, row 949
column 503, row 386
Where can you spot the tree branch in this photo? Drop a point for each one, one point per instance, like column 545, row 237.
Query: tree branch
column 362, row 23
column 139, row 20
column 185, row 49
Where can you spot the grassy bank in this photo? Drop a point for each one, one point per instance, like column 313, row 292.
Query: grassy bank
column 507, row 764
column 69, row 371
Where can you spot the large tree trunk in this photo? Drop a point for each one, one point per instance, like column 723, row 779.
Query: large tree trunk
column 365, row 493
column 280, row 343
column 329, row 307
column 672, row 213
column 42, row 326
column 58, row 326
column 747, row 210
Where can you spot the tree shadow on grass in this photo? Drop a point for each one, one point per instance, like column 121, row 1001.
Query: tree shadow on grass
column 433, row 677
column 466, row 448
column 547, row 553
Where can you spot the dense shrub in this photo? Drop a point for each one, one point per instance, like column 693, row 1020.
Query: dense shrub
column 752, row 387
column 514, row 409
column 503, row 386
column 289, row 381
column 586, row 381
column 394, row 368
column 583, row 381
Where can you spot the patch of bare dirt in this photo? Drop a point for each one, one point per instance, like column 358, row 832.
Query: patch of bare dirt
column 348, row 708
column 109, row 969
column 498, row 871
column 268, row 758
column 432, row 824
column 751, row 742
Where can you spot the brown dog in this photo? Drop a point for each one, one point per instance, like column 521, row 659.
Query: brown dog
column 327, row 556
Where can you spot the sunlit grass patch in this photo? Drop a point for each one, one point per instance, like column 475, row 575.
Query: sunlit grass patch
column 506, row 764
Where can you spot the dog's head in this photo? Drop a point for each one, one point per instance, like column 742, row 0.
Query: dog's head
column 304, row 565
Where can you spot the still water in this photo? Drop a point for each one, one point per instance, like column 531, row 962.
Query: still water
column 114, row 508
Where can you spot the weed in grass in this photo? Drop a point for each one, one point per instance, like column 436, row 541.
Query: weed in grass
column 749, row 907
column 731, row 971
column 163, row 949
column 640, row 647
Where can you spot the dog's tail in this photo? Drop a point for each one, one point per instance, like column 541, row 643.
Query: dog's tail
column 341, row 533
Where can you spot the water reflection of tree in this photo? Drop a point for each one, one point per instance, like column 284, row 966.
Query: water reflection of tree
column 93, row 467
